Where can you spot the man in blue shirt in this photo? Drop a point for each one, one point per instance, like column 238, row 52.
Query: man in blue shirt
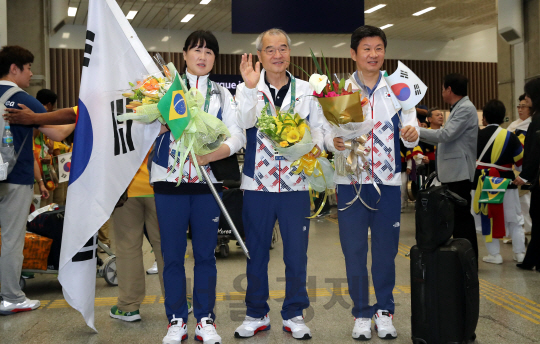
column 16, row 191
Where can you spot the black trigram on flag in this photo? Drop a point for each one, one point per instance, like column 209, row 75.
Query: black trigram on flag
column 417, row 89
column 404, row 74
column 90, row 36
column 122, row 132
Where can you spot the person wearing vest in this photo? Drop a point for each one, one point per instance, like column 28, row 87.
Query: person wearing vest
column 498, row 150
column 17, row 190
column 191, row 203
column 380, row 189
column 520, row 127
column 271, row 189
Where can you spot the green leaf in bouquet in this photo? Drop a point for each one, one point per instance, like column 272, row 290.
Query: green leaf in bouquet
column 341, row 84
column 317, row 65
column 328, row 73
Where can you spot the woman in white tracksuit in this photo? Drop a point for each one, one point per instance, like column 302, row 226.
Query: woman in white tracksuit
column 191, row 203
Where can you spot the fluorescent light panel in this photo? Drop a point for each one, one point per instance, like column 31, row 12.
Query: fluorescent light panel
column 187, row 18
column 165, row 39
column 65, row 35
column 62, row 46
column 237, row 51
column 386, row 26
column 72, row 11
column 131, row 15
column 297, row 44
column 339, row 45
column 205, row 2
column 373, row 9
column 419, row 13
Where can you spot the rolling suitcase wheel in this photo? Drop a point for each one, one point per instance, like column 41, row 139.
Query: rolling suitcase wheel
column 109, row 271
column 224, row 251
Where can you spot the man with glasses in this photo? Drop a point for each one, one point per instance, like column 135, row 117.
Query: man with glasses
column 271, row 189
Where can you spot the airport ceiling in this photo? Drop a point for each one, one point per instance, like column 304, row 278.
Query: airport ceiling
column 449, row 20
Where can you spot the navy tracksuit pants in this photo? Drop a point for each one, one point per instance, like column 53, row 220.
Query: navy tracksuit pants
column 261, row 209
column 174, row 213
column 353, row 232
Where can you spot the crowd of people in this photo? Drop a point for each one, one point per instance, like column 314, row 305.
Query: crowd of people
column 454, row 147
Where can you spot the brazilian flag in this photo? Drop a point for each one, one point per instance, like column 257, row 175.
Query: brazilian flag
column 174, row 108
column 493, row 190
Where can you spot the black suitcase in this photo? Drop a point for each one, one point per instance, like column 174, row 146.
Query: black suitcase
column 50, row 225
column 445, row 293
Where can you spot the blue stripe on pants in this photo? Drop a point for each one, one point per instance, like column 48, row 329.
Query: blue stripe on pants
column 175, row 212
column 261, row 209
column 353, row 232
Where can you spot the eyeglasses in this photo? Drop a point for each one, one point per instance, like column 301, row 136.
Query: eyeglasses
column 271, row 50
column 523, row 107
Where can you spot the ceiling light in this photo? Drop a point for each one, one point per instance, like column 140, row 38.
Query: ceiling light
column 254, row 42
column 339, row 45
column 297, row 44
column 65, row 35
column 187, row 18
column 237, row 51
column 419, row 13
column 62, row 46
column 373, row 9
column 165, row 39
column 131, row 15
column 386, row 26
column 72, row 11
column 204, row 2
column 152, row 48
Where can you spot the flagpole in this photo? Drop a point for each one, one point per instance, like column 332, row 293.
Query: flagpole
column 224, row 210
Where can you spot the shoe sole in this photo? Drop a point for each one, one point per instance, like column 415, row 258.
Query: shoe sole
column 17, row 310
column 184, row 337
column 199, row 339
column 130, row 318
column 387, row 337
column 362, row 338
column 306, row 336
column 151, row 273
column 260, row 329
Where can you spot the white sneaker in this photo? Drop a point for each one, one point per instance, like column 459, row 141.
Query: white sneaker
column 7, row 308
column 496, row 259
column 383, row 325
column 176, row 332
column 297, row 327
column 362, row 329
column 251, row 326
column 153, row 270
column 518, row 257
column 206, row 332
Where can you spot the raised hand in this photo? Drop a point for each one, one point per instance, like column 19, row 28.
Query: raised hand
column 250, row 75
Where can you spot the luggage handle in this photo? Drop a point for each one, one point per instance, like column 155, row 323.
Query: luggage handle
column 429, row 180
column 454, row 197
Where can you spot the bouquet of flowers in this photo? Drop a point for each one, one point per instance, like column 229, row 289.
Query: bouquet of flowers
column 167, row 100
column 343, row 109
column 291, row 138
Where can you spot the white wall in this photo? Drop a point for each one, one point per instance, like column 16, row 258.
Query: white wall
column 478, row 47
column 3, row 23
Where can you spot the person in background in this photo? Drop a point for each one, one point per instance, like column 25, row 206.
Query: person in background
column 435, row 120
column 456, row 151
column 496, row 159
column 16, row 191
column 530, row 173
column 520, row 127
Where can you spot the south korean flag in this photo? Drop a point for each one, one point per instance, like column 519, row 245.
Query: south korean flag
column 406, row 86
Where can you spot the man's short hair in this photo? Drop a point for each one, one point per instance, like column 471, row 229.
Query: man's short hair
column 430, row 111
column 14, row 54
column 458, row 82
column 366, row 31
column 272, row 32
column 522, row 97
column 46, row 96
column 199, row 39
column 494, row 112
